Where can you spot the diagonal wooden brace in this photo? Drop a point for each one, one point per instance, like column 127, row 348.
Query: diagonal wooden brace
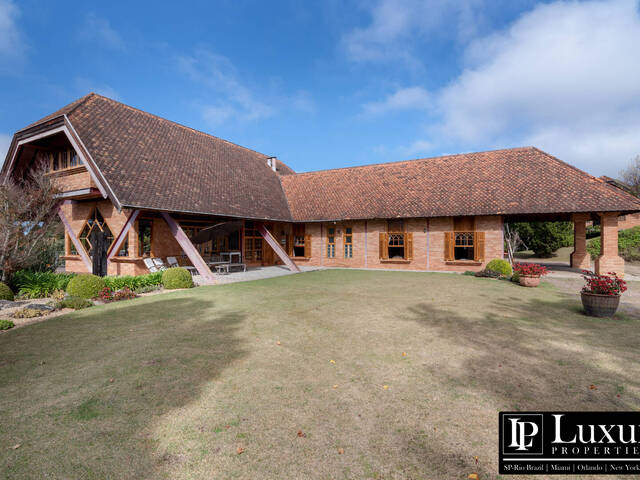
column 191, row 251
column 115, row 247
column 273, row 243
column 76, row 242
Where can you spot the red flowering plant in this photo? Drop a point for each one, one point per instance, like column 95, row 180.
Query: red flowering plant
column 106, row 294
column 530, row 269
column 125, row 294
column 609, row 284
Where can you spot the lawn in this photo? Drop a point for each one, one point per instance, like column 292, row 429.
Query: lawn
column 386, row 375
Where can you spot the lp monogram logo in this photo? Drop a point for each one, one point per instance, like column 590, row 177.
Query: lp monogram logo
column 522, row 434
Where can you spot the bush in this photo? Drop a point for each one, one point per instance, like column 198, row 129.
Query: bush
column 125, row 294
column 147, row 289
column 75, row 303
column 515, row 278
column 628, row 244
column 133, row 282
column 5, row 292
column 27, row 312
column 6, row 324
column 85, row 286
column 499, row 266
column 40, row 284
column 544, row 238
column 176, row 278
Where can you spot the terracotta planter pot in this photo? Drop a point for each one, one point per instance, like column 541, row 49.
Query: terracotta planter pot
column 529, row 280
column 596, row 305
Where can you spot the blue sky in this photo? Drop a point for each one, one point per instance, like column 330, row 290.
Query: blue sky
column 324, row 84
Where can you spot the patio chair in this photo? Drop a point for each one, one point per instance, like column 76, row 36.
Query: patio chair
column 173, row 262
column 159, row 264
column 148, row 262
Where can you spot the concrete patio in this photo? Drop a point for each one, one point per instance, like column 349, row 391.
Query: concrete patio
column 254, row 273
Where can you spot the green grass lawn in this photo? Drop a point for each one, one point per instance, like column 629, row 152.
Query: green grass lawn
column 170, row 386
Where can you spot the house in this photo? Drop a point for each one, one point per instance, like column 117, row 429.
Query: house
column 153, row 186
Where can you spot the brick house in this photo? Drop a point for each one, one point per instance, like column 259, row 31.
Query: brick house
column 153, row 186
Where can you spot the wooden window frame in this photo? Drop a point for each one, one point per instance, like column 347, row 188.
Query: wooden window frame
column 478, row 243
column 54, row 160
column 86, row 222
column 331, row 244
column 385, row 239
column 348, row 244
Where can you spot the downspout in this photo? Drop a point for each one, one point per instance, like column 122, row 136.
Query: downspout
column 321, row 244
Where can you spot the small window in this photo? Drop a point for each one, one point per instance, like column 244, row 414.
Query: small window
column 348, row 242
column 464, row 247
column 64, row 160
column 299, row 240
column 93, row 223
column 331, row 242
column 71, row 248
column 396, row 246
column 145, row 229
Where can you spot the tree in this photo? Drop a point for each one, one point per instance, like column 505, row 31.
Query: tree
column 27, row 214
column 631, row 176
column 544, row 238
column 512, row 241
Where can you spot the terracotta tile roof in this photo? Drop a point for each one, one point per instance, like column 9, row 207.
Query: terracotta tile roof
column 154, row 163
column 513, row 181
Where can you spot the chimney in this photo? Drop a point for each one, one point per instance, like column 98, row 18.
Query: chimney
column 271, row 161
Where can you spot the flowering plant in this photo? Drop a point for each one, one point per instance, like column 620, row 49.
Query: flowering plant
column 608, row 284
column 124, row 294
column 106, row 294
column 530, row 269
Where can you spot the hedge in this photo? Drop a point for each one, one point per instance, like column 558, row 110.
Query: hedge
column 85, row 286
column 133, row 282
column 628, row 244
column 5, row 292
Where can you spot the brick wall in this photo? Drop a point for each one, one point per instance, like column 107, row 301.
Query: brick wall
column 75, row 179
column 428, row 244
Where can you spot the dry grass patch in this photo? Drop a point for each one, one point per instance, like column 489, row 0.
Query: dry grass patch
column 286, row 377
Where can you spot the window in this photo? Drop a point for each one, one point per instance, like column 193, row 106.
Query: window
column 464, row 246
column 70, row 248
column 56, row 161
column 301, row 243
column 94, row 223
column 348, row 242
column 145, row 231
column 331, row 242
column 252, row 244
column 396, row 246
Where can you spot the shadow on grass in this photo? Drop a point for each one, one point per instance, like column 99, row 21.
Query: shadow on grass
column 95, row 382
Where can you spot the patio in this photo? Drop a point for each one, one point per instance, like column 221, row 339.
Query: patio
column 253, row 273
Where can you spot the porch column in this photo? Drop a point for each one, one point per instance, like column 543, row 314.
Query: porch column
column 609, row 261
column 580, row 258
column 191, row 251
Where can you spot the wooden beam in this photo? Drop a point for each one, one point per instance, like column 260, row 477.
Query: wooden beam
column 76, row 242
column 273, row 243
column 191, row 251
column 123, row 234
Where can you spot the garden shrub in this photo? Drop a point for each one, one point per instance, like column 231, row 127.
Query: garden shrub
column 6, row 324
column 39, row 284
column 133, row 282
column 499, row 266
column 85, row 286
column 5, row 292
column 147, row 289
column 176, row 277
column 75, row 303
column 628, row 244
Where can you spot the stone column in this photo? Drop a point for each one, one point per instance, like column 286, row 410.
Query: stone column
column 609, row 261
column 580, row 257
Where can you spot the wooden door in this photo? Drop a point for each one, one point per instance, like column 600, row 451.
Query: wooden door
column 268, row 255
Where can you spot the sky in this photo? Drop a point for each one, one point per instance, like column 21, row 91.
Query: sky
column 336, row 83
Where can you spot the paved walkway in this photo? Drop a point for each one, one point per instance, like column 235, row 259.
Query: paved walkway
column 254, row 273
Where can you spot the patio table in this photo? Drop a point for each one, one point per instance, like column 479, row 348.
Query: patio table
column 230, row 255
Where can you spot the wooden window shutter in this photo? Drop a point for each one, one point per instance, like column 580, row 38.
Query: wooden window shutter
column 384, row 246
column 307, row 246
column 290, row 245
column 449, row 246
column 408, row 246
column 478, row 250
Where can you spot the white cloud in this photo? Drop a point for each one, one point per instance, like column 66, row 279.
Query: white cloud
column 564, row 77
column 235, row 101
column 418, row 148
column 410, row 98
column 395, row 24
column 11, row 41
column 98, row 29
column 5, row 141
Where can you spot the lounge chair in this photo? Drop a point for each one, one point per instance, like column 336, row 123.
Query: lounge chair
column 173, row 262
column 159, row 264
column 148, row 262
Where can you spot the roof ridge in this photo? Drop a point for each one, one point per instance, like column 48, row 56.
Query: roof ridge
column 191, row 129
column 59, row 113
column 399, row 162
